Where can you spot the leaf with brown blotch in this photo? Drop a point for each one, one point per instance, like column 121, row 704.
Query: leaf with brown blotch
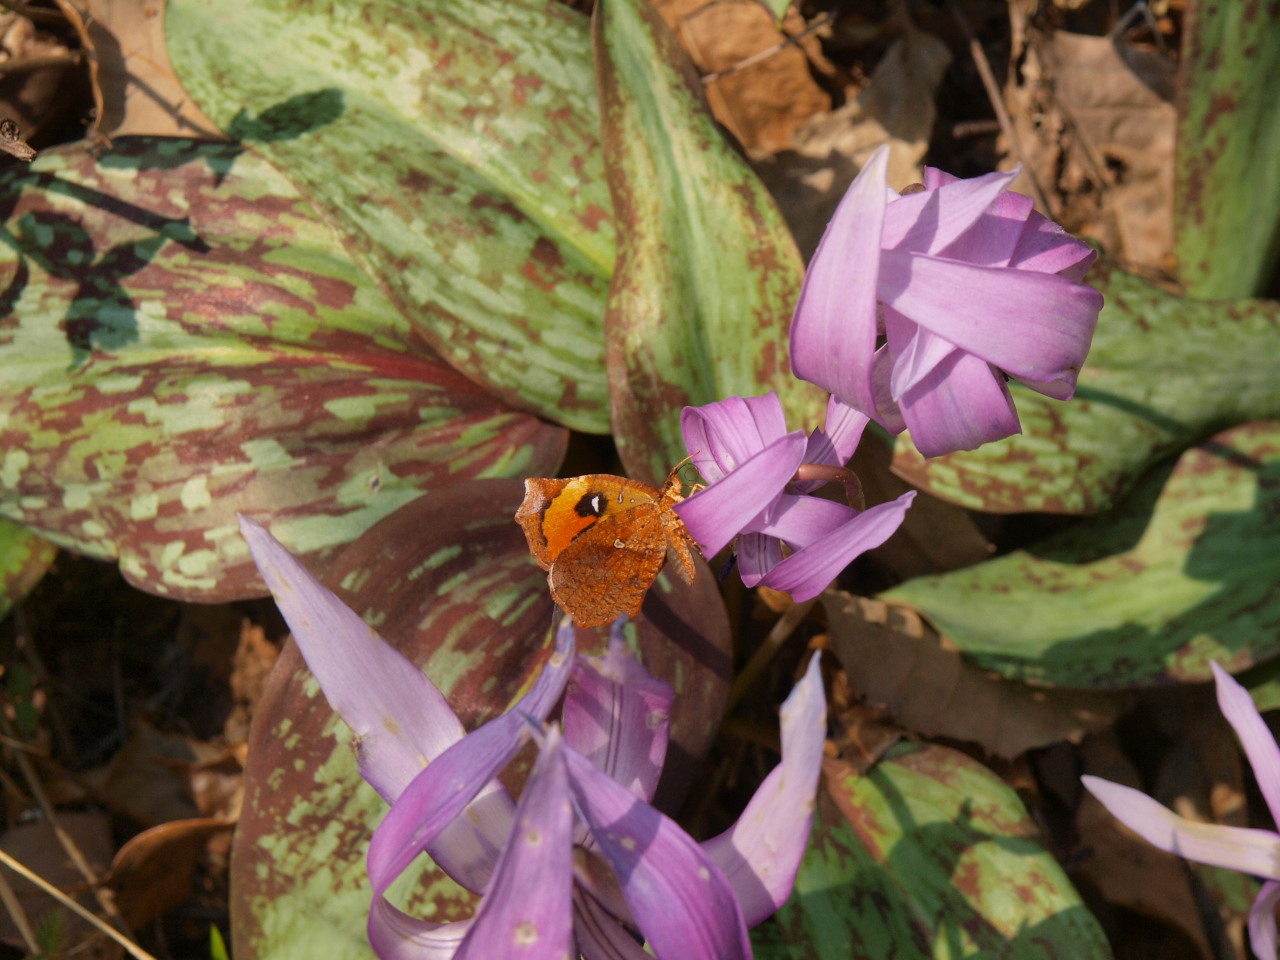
column 455, row 150
column 183, row 339
column 707, row 274
column 448, row 580
column 895, row 662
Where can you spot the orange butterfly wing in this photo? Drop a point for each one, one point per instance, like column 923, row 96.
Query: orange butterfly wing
column 609, row 567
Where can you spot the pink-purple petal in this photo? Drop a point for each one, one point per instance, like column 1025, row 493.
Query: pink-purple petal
column 1255, row 737
column 722, row 435
column 807, row 573
column 761, row 853
column 933, row 220
column 716, row 515
column 961, row 405
column 917, row 352
column 617, row 715
column 994, row 238
column 399, row 718
column 1262, row 921
column 679, row 899
column 757, row 555
column 394, row 935
column 799, row 521
column 428, row 814
column 527, row 911
column 1033, row 325
column 600, row 935
column 1047, row 248
column 833, row 332
column 1250, row 851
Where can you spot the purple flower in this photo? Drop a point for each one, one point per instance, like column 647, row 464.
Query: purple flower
column 966, row 283
column 582, row 862
column 757, row 491
column 1256, row 852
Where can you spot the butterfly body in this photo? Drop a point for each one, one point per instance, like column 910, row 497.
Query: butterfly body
column 603, row 540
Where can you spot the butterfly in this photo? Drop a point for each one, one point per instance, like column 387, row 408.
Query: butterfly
column 603, row 540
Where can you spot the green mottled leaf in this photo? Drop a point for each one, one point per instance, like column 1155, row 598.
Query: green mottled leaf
column 1164, row 372
column 1227, row 180
column 707, row 273
column 454, row 148
column 24, row 558
column 463, row 600
column 929, row 855
column 185, row 339
column 1182, row 572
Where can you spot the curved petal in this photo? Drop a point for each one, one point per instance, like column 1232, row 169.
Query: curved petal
column 916, row 352
column 401, row 721
column 1262, row 921
column 1236, row 848
column 807, row 573
column 600, row 935
column 757, row 555
column 394, row 935
column 716, row 515
column 833, row 332
column 933, row 220
column 799, row 521
column 617, row 715
column 1047, row 248
column 428, row 813
column 679, row 899
column 527, row 911
column 1255, row 737
column 994, row 237
column 839, row 436
column 1035, row 325
column 721, row 436
column 761, row 853
column 961, row 405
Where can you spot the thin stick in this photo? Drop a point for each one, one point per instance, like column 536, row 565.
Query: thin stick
column 64, row 838
column 997, row 103
column 70, row 904
column 751, row 61
column 28, row 64
column 68, row 10
column 19, row 915
column 791, row 618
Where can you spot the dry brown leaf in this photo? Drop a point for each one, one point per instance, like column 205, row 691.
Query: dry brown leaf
column 254, row 657
column 764, row 103
column 1097, row 121
column 149, row 778
column 35, row 846
column 151, row 874
column 141, row 94
column 896, row 107
column 895, row 662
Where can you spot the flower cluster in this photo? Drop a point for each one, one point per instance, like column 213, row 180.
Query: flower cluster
column 582, row 863
column 966, row 283
column 752, row 465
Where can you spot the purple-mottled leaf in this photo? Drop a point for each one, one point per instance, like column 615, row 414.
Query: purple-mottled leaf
column 184, row 341
column 454, row 147
column 707, row 272
column 1163, row 372
column 928, row 848
column 24, row 558
column 1180, row 573
column 1227, row 183
column 448, row 580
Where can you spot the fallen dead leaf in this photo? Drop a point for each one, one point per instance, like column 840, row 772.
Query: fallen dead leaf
column 152, row 873
column 764, row 103
column 149, row 778
column 254, row 657
column 896, row 107
column 896, row 663
column 1096, row 121
column 141, row 94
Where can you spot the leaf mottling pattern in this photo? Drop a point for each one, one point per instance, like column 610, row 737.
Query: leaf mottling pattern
column 708, row 273
column 24, row 558
column 454, row 147
column 930, row 854
column 185, row 339
column 1181, row 573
